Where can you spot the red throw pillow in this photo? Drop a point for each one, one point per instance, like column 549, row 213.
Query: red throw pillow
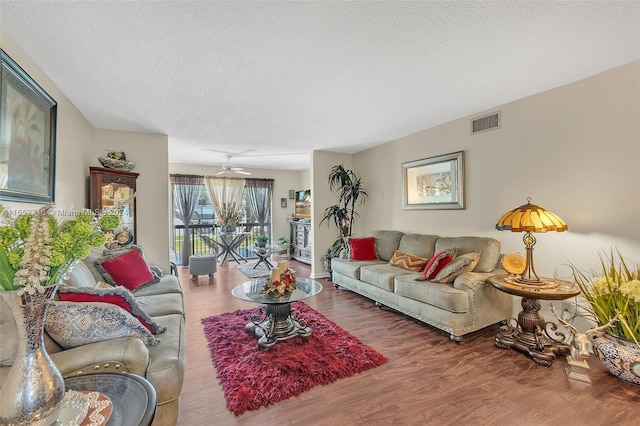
column 437, row 262
column 443, row 262
column 363, row 248
column 129, row 270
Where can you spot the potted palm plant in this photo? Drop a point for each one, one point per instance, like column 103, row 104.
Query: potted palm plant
column 351, row 192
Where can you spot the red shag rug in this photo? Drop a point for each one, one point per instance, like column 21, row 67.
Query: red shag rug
column 251, row 378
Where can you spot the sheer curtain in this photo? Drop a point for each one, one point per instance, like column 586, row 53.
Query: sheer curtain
column 185, row 189
column 224, row 191
column 260, row 192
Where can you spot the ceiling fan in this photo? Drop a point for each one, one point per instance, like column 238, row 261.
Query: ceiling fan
column 228, row 168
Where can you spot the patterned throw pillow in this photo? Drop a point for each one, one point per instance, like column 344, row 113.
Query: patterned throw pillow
column 118, row 296
column 435, row 264
column 128, row 269
column 407, row 261
column 460, row 264
column 75, row 324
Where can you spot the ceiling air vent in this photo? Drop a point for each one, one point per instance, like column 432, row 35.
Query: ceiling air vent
column 486, row 123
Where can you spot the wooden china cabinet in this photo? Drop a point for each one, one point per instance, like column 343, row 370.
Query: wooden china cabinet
column 112, row 191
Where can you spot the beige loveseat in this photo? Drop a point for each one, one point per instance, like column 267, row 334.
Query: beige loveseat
column 467, row 304
column 162, row 364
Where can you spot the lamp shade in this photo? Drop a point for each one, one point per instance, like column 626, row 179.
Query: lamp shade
column 530, row 218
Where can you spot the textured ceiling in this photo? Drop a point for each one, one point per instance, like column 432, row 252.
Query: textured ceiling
column 263, row 79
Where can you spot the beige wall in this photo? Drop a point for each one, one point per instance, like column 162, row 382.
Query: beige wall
column 151, row 154
column 574, row 150
column 74, row 137
column 283, row 181
column 78, row 146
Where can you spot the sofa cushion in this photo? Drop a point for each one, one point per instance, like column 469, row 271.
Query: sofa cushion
column 443, row 296
column 435, row 264
column 457, row 266
column 381, row 276
column 489, row 249
column 166, row 359
column 407, row 261
column 161, row 304
column 362, row 248
column 90, row 262
column 118, row 296
column 128, row 269
column 79, row 276
column 387, row 242
column 74, row 324
column 349, row 268
column 8, row 335
column 418, row 245
column 167, row 284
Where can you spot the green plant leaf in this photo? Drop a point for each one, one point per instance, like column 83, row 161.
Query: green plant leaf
column 6, row 273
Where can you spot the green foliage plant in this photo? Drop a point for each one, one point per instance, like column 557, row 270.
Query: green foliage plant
column 351, row 192
column 613, row 290
column 36, row 250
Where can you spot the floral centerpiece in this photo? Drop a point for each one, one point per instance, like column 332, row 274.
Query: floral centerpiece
column 615, row 291
column 285, row 283
column 228, row 214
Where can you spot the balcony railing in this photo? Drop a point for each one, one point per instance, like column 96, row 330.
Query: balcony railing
column 200, row 246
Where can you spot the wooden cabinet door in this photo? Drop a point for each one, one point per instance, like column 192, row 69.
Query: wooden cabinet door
column 113, row 191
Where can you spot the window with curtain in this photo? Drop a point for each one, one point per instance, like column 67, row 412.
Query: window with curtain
column 225, row 192
column 185, row 190
column 259, row 194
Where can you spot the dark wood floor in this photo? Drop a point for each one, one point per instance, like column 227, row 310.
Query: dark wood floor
column 427, row 380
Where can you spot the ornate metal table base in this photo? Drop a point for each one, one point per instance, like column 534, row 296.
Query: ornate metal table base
column 277, row 323
column 531, row 335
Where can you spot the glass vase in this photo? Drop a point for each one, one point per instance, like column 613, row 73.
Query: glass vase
column 33, row 390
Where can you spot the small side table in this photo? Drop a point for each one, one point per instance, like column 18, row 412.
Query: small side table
column 132, row 396
column 530, row 334
column 263, row 254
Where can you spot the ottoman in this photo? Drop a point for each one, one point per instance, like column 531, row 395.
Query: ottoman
column 202, row 264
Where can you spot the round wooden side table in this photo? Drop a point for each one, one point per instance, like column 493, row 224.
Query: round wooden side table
column 531, row 333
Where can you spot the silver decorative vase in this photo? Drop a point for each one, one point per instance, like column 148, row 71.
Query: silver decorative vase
column 620, row 356
column 33, row 391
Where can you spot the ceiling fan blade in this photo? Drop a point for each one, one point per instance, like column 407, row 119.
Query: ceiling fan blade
column 241, row 172
column 221, row 173
column 236, row 169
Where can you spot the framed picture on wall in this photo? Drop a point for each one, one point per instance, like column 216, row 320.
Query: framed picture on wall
column 27, row 136
column 434, row 183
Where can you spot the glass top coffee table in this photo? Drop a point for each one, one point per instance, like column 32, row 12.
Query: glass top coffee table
column 276, row 321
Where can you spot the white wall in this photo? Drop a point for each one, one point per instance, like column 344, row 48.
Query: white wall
column 150, row 152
